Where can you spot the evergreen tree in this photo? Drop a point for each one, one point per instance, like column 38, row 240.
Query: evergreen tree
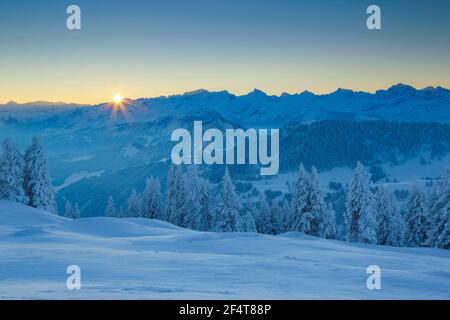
column 360, row 217
column 275, row 224
column 76, row 214
column 228, row 216
column 443, row 229
column 111, row 210
column 193, row 185
column 328, row 226
column 206, row 213
column 151, row 201
column 323, row 223
column 311, row 213
column 177, row 201
column 134, row 208
column 248, row 222
column 71, row 212
column 264, row 216
column 300, row 193
column 439, row 234
column 390, row 228
column 68, row 209
column 416, row 219
column 12, row 168
column 286, row 215
column 37, row 179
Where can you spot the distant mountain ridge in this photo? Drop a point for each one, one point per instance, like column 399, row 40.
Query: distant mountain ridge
column 90, row 148
column 400, row 102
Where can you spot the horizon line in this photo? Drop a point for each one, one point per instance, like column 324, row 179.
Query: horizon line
column 206, row 91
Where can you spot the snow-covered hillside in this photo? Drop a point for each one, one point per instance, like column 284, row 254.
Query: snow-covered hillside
column 139, row 258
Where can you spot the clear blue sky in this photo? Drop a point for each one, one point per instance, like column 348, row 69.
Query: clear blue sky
column 150, row 48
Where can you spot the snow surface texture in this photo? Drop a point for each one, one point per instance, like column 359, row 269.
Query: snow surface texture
column 150, row 259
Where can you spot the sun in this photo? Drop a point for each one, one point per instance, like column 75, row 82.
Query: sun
column 117, row 98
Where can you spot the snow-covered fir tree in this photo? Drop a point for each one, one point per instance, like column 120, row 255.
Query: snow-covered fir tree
column 134, row 208
column 248, row 222
column 206, row 212
column 111, row 210
column 390, row 226
column 177, row 200
column 193, row 186
column 416, row 218
column 439, row 234
column 328, row 226
column 37, row 183
column 286, row 215
column 300, row 193
column 443, row 229
column 263, row 215
column 360, row 216
column 323, row 223
column 12, row 169
column 311, row 214
column 72, row 211
column 275, row 224
column 270, row 216
column 228, row 215
column 152, row 207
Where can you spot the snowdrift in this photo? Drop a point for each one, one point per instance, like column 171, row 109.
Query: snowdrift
column 150, row 259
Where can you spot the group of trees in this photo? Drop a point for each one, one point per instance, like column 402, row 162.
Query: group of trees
column 25, row 178
column 190, row 204
column 330, row 143
column 375, row 218
column 372, row 213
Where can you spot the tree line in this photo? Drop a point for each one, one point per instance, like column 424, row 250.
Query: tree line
column 372, row 214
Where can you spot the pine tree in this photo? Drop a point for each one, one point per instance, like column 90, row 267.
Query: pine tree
column 275, row 224
column 328, row 226
column 416, row 219
column 287, row 215
column 193, row 186
column 206, row 213
column 264, row 215
column 111, row 210
column 323, row 223
column 439, row 234
column 68, row 209
column 228, row 216
column 151, row 200
column 12, row 169
column 134, row 208
column 443, row 229
column 311, row 213
column 248, row 222
column 270, row 217
column 300, row 193
column 360, row 217
column 71, row 211
column 76, row 214
column 390, row 227
column 177, row 202
column 37, row 179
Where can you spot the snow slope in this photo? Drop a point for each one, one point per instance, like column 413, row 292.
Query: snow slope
column 149, row 259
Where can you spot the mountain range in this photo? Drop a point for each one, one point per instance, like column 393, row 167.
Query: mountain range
column 255, row 109
column 94, row 152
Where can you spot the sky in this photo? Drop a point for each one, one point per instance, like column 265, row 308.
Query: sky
column 160, row 47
